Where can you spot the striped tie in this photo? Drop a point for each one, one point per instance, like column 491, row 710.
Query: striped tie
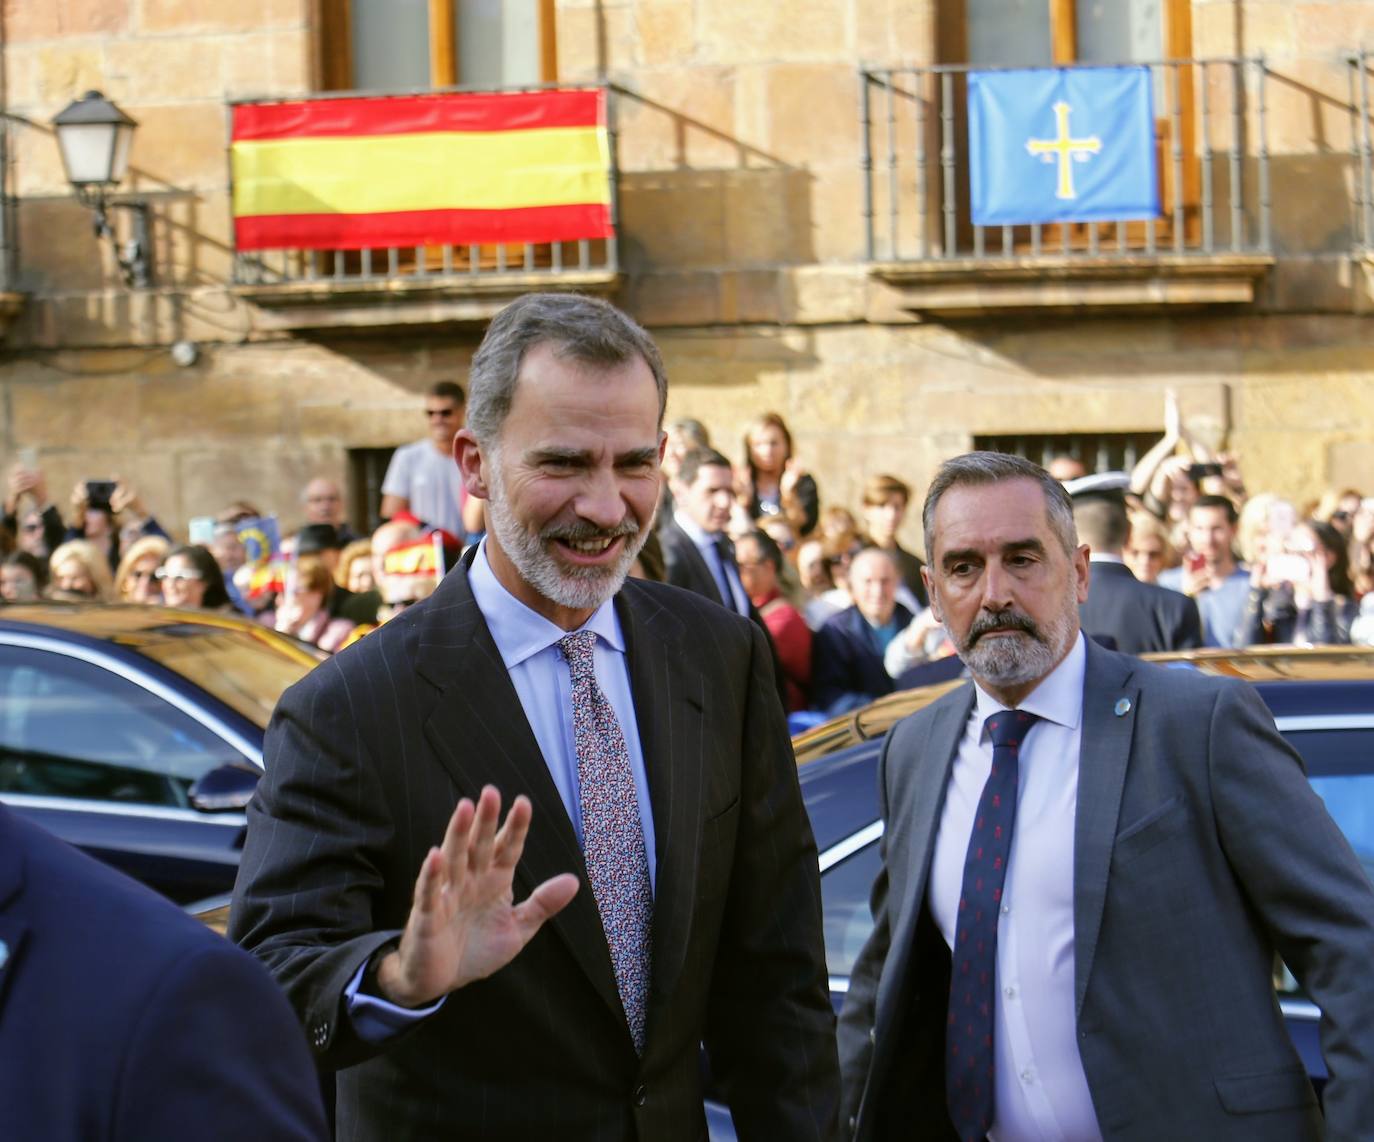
column 612, row 833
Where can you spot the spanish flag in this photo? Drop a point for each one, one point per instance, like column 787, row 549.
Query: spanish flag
column 419, row 170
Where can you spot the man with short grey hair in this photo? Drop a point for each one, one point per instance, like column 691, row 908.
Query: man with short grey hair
column 657, row 826
column 1089, row 866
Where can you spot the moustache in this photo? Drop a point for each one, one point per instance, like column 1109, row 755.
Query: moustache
column 582, row 532
column 1003, row 621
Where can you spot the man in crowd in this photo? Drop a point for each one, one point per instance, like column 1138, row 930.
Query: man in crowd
column 323, row 500
column 847, row 657
column 668, row 848
column 1210, row 572
column 1136, row 617
column 1113, row 920
column 760, row 569
column 421, row 479
column 885, row 501
column 124, row 1019
column 697, row 554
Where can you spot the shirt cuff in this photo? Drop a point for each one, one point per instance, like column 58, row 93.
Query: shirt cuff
column 374, row 1019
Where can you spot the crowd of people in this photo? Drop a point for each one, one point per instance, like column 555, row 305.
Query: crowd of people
column 844, row 603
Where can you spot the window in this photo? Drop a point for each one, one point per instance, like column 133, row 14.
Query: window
column 845, row 890
column 69, row 728
column 399, row 45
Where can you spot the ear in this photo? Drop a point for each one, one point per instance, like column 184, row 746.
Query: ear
column 930, row 593
column 467, row 454
column 1082, row 572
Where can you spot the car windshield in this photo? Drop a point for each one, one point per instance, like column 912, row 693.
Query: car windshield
column 245, row 668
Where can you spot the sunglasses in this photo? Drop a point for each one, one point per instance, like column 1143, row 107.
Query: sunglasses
column 444, row 413
column 162, row 575
column 31, row 527
column 143, row 575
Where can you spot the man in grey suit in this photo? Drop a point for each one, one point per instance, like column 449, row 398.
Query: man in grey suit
column 1114, row 852
column 675, row 896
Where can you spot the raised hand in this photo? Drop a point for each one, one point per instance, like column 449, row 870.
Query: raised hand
column 464, row 924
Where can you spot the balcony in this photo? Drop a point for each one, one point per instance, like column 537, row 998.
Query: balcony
column 11, row 299
column 1209, row 246
column 308, row 280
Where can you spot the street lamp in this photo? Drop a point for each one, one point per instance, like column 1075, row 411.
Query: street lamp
column 94, row 137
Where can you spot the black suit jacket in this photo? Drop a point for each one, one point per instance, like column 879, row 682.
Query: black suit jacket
column 366, row 759
column 846, row 668
column 1141, row 617
column 685, row 566
column 123, row 1019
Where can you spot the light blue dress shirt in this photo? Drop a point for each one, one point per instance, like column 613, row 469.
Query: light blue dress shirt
column 528, row 645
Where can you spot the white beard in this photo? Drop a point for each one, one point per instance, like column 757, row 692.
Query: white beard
column 1027, row 657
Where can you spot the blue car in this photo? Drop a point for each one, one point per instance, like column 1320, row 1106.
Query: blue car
column 1322, row 701
column 135, row 733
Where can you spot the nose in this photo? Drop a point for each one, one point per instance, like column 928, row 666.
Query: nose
column 600, row 502
column 996, row 587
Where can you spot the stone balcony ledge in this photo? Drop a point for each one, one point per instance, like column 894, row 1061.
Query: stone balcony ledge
column 947, row 289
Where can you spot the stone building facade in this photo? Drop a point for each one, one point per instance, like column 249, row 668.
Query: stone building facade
column 743, row 213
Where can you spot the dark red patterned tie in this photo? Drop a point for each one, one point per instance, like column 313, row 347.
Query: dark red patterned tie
column 973, row 977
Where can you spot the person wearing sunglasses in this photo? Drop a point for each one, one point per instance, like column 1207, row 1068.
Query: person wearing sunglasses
column 136, row 577
column 422, row 478
column 190, row 577
column 37, row 527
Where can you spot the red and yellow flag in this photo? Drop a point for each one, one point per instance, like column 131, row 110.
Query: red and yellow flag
column 419, row 170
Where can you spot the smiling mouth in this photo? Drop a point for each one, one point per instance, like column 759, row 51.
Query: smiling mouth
column 590, row 550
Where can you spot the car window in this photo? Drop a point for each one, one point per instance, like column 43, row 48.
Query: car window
column 845, row 889
column 70, row 728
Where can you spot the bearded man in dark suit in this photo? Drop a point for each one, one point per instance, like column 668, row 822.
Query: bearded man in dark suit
column 674, row 889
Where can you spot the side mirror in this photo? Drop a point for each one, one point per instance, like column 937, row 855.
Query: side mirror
column 224, row 788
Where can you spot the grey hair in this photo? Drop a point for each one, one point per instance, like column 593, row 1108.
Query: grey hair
column 582, row 329
column 979, row 469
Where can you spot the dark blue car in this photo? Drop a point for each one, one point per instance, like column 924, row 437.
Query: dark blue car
column 136, row 733
column 1322, row 701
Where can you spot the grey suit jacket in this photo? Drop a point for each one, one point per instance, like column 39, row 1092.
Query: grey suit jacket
column 365, row 760
column 1200, row 850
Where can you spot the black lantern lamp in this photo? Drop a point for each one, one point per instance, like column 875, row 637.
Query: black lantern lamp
column 94, row 137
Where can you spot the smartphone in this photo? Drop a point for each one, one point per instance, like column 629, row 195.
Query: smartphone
column 28, row 459
column 1282, row 517
column 98, row 493
column 1198, row 472
column 1195, row 561
column 1289, row 568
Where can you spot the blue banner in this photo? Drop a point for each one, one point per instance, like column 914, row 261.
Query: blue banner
column 1062, row 145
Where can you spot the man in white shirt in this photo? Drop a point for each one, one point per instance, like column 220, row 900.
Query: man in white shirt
column 1089, row 865
column 422, row 478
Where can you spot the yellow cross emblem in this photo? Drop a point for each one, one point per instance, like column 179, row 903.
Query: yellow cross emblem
column 1065, row 149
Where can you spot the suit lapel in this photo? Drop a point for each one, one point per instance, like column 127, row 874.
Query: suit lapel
column 669, row 700
column 923, row 808
column 1103, row 757
column 14, row 925
column 480, row 734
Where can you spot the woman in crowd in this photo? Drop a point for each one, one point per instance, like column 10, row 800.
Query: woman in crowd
column 136, row 575
column 1300, row 592
column 190, row 577
column 22, row 578
column 771, row 481
column 1148, row 550
column 303, row 609
column 354, row 572
column 79, row 571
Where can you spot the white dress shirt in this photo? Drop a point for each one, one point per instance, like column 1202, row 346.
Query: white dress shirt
column 705, row 542
column 1041, row 1090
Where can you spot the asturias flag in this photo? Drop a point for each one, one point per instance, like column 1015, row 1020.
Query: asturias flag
column 1061, row 145
column 372, row 171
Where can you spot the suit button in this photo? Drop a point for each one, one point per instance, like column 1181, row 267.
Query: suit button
column 853, row 1124
column 640, row 1095
column 872, row 1034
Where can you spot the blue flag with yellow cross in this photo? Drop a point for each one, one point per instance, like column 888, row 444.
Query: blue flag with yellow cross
column 1062, row 145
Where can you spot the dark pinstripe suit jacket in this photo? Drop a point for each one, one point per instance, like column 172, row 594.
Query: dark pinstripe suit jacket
column 365, row 760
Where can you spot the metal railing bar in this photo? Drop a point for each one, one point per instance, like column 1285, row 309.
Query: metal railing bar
column 1176, row 131
column 892, row 229
column 866, row 160
column 922, row 217
column 947, row 159
column 1262, row 159
column 1237, row 220
column 1365, row 148
column 1207, row 208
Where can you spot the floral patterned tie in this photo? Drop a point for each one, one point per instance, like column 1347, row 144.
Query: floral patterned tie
column 612, row 833
column 973, row 969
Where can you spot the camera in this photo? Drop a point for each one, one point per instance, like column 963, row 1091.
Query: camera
column 98, row 493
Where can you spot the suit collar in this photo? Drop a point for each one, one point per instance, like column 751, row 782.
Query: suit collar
column 1111, row 697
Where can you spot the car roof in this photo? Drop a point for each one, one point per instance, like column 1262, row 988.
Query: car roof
column 1313, row 679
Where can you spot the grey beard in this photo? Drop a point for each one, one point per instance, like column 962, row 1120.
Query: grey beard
column 578, row 588
column 1016, row 661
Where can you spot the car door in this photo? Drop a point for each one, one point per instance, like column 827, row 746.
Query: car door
column 105, row 755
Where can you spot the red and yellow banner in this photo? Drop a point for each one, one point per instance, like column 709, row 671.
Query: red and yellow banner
column 420, row 170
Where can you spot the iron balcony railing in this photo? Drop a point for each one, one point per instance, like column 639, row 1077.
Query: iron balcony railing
column 1364, row 185
column 437, row 265
column 1213, row 165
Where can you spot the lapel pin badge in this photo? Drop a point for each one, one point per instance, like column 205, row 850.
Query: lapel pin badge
column 1123, row 707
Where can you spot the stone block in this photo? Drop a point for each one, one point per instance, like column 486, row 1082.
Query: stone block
column 767, row 216
column 683, row 118
column 750, row 296
column 665, row 32
column 813, row 117
column 61, row 410
column 50, row 74
column 160, row 70
column 823, row 295
column 1307, row 106
column 894, row 32
column 685, row 298
column 1350, row 464
column 837, row 224
column 673, row 220
column 792, row 30
column 1322, row 282
column 162, row 16
column 26, row 20
column 179, row 146
column 59, row 250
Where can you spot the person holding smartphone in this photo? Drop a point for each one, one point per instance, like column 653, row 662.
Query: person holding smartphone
column 1301, row 592
column 1211, row 573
